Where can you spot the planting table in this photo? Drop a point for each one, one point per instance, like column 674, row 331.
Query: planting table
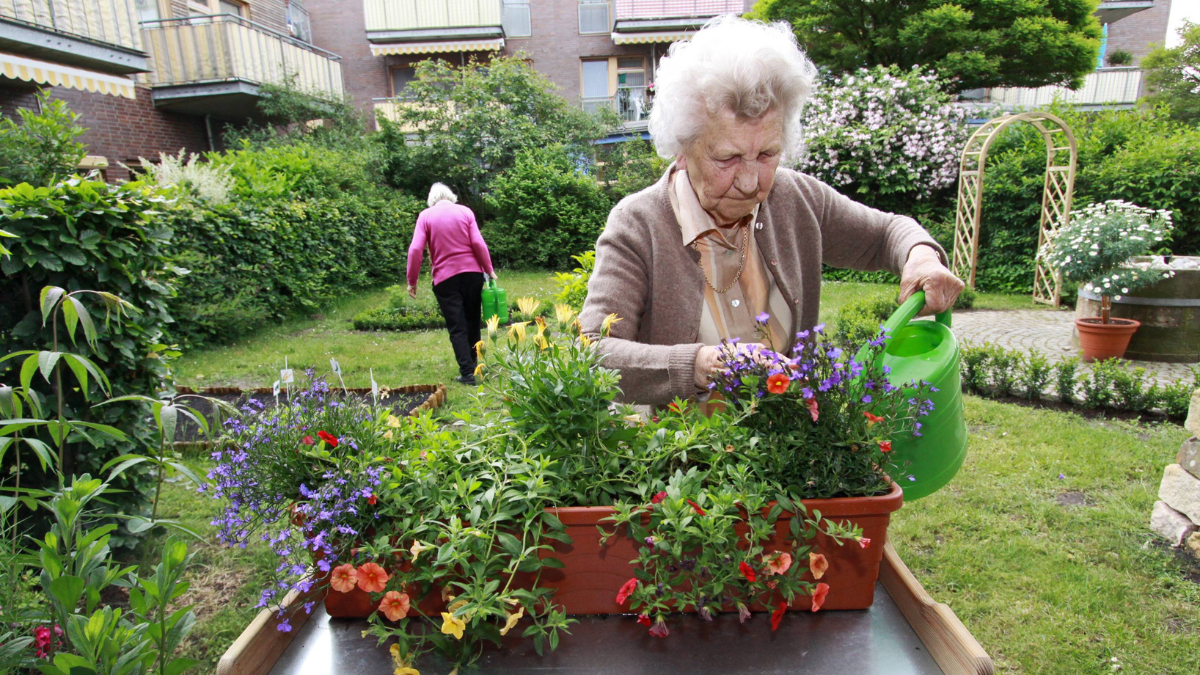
column 905, row 632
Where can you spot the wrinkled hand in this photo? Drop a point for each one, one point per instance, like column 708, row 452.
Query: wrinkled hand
column 709, row 360
column 925, row 271
column 412, row 291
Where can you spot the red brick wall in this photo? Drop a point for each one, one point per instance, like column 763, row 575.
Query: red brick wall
column 1138, row 33
column 118, row 128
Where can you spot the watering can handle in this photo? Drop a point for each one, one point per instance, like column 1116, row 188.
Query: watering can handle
column 907, row 311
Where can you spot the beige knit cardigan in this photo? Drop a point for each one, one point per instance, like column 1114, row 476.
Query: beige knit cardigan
column 652, row 282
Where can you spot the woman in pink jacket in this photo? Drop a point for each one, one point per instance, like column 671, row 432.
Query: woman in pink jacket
column 461, row 263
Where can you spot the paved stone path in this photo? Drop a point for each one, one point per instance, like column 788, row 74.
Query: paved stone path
column 1045, row 331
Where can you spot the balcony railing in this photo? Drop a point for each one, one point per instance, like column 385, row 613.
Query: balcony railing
column 112, row 22
column 401, row 15
column 664, row 9
column 226, row 47
column 630, row 104
column 1104, row 87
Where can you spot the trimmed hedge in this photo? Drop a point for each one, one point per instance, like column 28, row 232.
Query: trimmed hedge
column 401, row 319
column 251, row 264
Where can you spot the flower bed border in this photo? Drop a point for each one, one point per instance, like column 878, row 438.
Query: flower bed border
column 436, row 399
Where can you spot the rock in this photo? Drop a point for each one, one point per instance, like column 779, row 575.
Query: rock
column 1193, row 544
column 1171, row 524
column 1189, row 456
column 1193, row 419
column 1181, row 491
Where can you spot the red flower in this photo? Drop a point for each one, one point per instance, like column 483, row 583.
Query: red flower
column 307, row 440
column 395, row 605
column 817, row 564
column 372, row 499
column 819, row 594
column 674, row 406
column 812, row 408
column 372, row 578
column 659, row 629
column 626, row 591
column 748, row 572
column 657, row 499
column 644, row 619
column 872, row 419
column 328, row 438
column 778, row 383
column 777, row 615
column 696, row 506
column 864, row 542
column 885, row 446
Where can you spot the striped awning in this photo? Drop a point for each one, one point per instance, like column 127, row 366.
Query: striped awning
column 495, row 44
column 44, row 72
column 647, row 38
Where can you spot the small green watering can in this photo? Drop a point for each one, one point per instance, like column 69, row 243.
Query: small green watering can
column 495, row 301
column 926, row 351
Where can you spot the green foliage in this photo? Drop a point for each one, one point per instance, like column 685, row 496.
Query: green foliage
column 466, row 125
column 1003, row 366
column 628, row 167
column 1097, row 385
column 205, row 182
column 78, row 235
column 545, row 210
column 1034, row 375
column 254, row 263
column 860, row 320
column 972, row 43
column 1064, row 379
column 965, row 299
column 1173, row 75
column 44, row 147
column 573, row 285
column 974, row 362
column 1119, row 57
column 272, row 173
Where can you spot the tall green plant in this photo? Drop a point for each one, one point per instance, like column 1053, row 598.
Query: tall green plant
column 44, row 146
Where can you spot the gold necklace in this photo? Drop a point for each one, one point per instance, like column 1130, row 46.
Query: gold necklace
column 741, row 263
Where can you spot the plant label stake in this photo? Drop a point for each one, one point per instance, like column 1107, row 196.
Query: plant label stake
column 287, row 377
column 275, row 391
column 337, row 369
column 374, row 387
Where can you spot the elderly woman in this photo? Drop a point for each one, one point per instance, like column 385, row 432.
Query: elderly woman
column 727, row 234
column 460, row 261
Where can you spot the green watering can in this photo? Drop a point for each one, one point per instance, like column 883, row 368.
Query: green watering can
column 495, row 301
column 928, row 351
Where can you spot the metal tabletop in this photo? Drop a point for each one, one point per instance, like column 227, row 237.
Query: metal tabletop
column 876, row 641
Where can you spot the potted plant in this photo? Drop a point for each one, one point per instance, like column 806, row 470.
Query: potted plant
column 1093, row 250
column 545, row 499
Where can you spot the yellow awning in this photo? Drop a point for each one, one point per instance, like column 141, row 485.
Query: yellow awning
column 495, row 44
column 647, row 38
column 44, row 72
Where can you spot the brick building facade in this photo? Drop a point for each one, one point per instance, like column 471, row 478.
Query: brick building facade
column 1140, row 32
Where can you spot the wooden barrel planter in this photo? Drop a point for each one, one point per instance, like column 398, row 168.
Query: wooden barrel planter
column 1169, row 312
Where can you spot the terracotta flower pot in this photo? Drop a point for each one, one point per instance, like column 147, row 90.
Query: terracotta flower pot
column 592, row 574
column 1101, row 341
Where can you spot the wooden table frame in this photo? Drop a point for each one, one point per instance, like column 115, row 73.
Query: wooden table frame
column 949, row 642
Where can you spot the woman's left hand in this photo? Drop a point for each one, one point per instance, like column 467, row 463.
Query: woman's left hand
column 924, row 271
column 412, row 291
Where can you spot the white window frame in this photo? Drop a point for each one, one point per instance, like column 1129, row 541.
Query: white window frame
column 607, row 16
column 521, row 9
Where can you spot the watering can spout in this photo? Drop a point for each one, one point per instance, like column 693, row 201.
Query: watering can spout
column 924, row 460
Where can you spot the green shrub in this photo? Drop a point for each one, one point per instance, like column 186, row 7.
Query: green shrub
column 45, row 145
column 1034, row 375
column 255, row 263
column 82, row 234
column 545, row 211
column 628, row 167
column 1002, row 367
column 1131, row 390
column 1064, row 379
column 966, row 299
column 859, row 321
column 404, row 313
column 1097, row 386
column 298, row 170
column 573, row 285
column 974, row 361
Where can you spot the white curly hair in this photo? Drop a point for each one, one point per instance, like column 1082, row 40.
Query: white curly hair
column 748, row 67
column 440, row 192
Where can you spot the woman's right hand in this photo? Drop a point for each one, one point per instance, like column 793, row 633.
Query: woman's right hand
column 709, row 361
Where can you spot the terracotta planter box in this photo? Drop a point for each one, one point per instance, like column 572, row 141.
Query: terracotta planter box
column 592, row 574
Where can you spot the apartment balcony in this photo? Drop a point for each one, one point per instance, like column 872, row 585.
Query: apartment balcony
column 630, row 104
column 644, row 21
column 1110, row 11
column 432, row 26
column 216, row 65
column 97, row 35
column 1103, row 88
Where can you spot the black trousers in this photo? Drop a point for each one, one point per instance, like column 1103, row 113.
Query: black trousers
column 461, row 300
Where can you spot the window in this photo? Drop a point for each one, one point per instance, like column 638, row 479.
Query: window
column 207, row 7
column 593, row 16
column 227, row 7
column 401, row 76
column 298, row 22
column 631, row 89
column 595, row 79
column 515, row 18
column 147, row 10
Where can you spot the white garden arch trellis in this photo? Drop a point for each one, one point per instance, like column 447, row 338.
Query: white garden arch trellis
column 1057, row 191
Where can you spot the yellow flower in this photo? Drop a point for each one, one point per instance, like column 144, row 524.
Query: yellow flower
column 528, row 306
column 457, row 603
column 406, row 671
column 402, row 666
column 541, row 323
column 564, row 314
column 635, row 420
column 393, row 421
column 452, row 625
column 416, row 549
column 608, row 324
column 388, row 435
column 583, row 340
column 541, row 341
column 493, row 324
column 479, row 368
column 479, row 349
column 517, row 330
column 512, row 621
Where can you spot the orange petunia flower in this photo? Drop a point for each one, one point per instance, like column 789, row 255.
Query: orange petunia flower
column 885, row 446
column 872, row 419
column 344, row 578
column 817, row 564
column 777, row 615
column 778, row 383
column 372, row 578
column 778, row 563
column 813, row 411
column 819, row 594
column 395, row 605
